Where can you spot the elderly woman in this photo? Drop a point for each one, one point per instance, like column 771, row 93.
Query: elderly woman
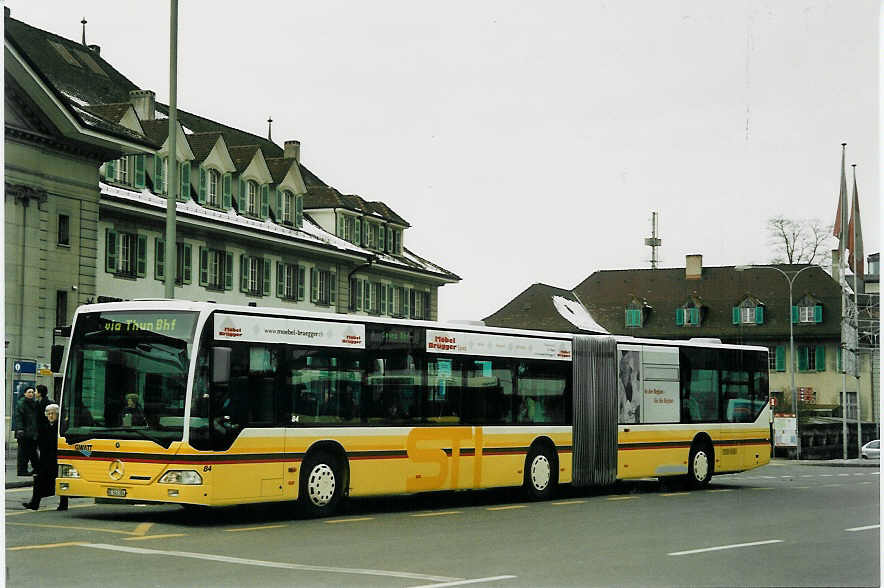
column 44, row 480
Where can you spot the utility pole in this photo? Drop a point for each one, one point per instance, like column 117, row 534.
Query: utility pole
column 172, row 186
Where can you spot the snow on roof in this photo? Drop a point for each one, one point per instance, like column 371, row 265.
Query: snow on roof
column 576, row 314
column 309, row 231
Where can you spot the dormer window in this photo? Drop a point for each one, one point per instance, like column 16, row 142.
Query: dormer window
column 252, row 202
column 288, row 207
column 161, row 169
column 213, row 192
column 689, row 314
column 808, row 310
column 749, row 312
column 123, row 170
column 635, row 312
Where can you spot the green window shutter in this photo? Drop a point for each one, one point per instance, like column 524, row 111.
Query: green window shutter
column 299, row 211
column 781, row 358
column 694, row 316
column 820, row 358
column 242, row 196
column 390, row 300
column 679, row 316
column 204, row 266
column 794, row 315
column 759, row 315
column 265, row 200
column 382, row 237
column 228, row 271
column 110, row 252
column 340, row 225
column 159, row 259
column 278, row 200
column 280, row 280
column 314, row 285
column 185, row 181
column 366, row 296
column 302, row 279
column 188, row 263
column 110, row 170
column 411, row 296
column 802, row 359
column 243, row 273
column 157, row 174
column 383, row 299
column 141, row 256
column 267, row 277
column 225, row 191
column 332, row 287
column 817, row 314
column 201, row 195
column 139, row 171
column 357, row 232
column 735, row 314
column 404, row 299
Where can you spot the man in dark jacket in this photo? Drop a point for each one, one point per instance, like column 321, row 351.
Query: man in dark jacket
column 44, row 481
column 27, row 417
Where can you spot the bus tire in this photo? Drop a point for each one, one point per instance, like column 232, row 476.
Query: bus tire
column 700, row 465
column 541, row 472
column 321, row 485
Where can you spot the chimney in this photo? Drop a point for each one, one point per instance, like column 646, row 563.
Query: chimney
column 95, row 49
column 292, row 150
column 836, row 265
column 144, row 102
column 693, row 267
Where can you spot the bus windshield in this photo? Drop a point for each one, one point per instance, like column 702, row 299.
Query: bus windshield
column 126, row 376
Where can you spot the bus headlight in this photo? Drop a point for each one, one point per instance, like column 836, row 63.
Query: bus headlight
column 191, row 477
column 66, row 470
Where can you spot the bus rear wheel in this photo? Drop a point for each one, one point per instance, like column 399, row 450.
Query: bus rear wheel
column 700, row 465
column 541, row 473
column 320, row 485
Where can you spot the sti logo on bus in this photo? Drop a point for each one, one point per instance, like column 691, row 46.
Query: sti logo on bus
column 425, row 446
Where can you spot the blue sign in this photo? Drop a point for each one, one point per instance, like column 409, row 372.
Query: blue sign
column 24, row 367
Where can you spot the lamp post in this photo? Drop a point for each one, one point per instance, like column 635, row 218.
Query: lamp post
column 790, row 281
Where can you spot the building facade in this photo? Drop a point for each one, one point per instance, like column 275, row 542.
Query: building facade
column 87, row 156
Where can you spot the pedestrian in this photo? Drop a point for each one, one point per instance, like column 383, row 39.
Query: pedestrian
column 44, row 481
column 26, row 431
column 42, row 398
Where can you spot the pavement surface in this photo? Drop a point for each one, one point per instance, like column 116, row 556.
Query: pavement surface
column 13, row 480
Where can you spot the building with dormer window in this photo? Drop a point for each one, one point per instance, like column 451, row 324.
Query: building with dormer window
column 87, row 170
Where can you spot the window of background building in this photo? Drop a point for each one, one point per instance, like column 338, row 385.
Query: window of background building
column 64, row 229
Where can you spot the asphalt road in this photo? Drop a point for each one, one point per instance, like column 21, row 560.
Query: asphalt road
column 783, row 524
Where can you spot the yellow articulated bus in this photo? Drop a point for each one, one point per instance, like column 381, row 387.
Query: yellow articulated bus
column 208, row 404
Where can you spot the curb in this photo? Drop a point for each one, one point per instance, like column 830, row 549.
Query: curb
column 18, row 484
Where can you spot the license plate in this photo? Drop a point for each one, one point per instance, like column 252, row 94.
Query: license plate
column 119, row 492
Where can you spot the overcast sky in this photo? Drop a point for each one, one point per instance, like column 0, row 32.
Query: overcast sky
column 529, row 141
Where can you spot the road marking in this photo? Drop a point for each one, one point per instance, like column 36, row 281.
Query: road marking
column 801, row 488
column 155, row 536
column 721, row 490
column 510, row 507
column 807, row 475
column 842, row 475
column 675, row 494
column 720, row 547
column 874, row 473
column 860, row 474
column 463, row 582
column 768, row 477
column 254, row 528
column 270, row 564
column 72, row 527
column 46, row 546
column 27, row 489
column 568, row 502
column 354, row 520
column 826, row 475
column 437, row 514
column 142, row 529
column 786, row 476
column 861, row 483
column 863, row 528
column 622, row 497
column 831, row 485
column 761, row 488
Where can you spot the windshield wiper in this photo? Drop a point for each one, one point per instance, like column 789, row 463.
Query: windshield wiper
column 140, row 432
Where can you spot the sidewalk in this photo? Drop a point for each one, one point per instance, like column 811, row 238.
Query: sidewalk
column 13, row 480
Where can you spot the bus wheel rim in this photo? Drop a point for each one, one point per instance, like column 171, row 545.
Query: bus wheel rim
column 540, row 472
column 321, row 485
column 701, row 466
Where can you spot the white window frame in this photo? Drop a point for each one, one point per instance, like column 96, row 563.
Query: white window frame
column 747, row 315
column 126, row 259
column 215, row 277
column 253, row 204
column 806, row 314
column 213, row 189
column 288, row 205
column 122, row 172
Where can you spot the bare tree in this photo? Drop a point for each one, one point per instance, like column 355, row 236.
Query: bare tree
column 799, row 241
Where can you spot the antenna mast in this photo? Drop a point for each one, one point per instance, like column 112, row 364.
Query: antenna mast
column 654, row 241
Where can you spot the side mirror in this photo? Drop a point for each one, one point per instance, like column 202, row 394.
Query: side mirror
column 56, row 355
column 221, row 365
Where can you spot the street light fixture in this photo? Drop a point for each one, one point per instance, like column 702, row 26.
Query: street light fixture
column 790, row 281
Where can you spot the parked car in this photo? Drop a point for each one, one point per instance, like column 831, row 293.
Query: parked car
column 872, row 450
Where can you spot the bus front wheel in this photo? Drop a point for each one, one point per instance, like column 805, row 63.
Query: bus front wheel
column 700, row 464
column 321, row 485
column 541, row 473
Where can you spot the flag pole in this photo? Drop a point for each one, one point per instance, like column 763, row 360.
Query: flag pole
column 854, row 213
column 842, row 238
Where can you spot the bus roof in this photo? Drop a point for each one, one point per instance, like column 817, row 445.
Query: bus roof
column 207, row 307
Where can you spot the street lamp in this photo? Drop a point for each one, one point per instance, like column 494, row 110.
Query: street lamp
column 790, row 281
